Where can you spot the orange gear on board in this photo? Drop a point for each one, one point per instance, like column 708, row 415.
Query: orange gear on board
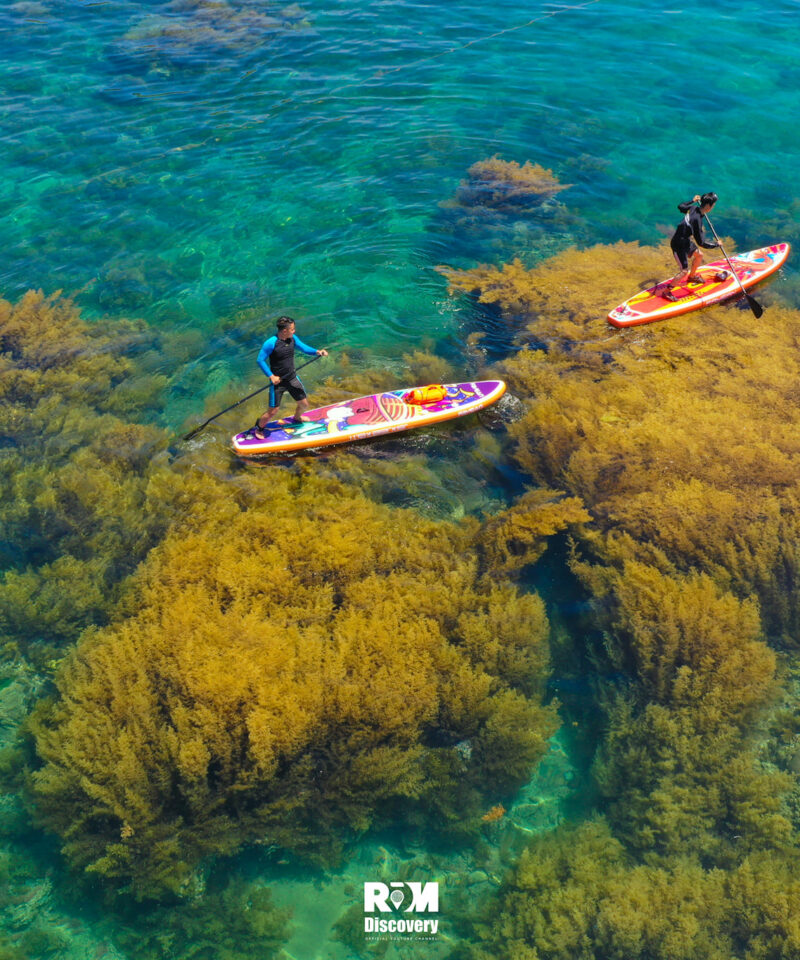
column 422, row 395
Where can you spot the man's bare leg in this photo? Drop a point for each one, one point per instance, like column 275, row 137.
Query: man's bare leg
column 265, row 418
column 300, row 409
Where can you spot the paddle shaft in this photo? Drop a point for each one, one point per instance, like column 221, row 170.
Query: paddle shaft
column 755, row 306
column 249, row 396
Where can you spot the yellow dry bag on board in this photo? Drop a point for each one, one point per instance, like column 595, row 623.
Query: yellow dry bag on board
column 422, row 395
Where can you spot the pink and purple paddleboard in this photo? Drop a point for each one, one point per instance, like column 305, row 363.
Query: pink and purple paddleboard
column 370, row 416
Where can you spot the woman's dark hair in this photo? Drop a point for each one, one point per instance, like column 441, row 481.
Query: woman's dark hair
column 708, row 199
column 284, row 322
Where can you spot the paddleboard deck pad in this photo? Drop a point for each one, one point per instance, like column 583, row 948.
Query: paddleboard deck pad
column 716, row 283
column 369, row 416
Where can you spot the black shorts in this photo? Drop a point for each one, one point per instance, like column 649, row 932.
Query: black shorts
column 294, row 386
column 682, row 253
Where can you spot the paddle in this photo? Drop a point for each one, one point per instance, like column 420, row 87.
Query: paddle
column 193, row 433
column 755, row 306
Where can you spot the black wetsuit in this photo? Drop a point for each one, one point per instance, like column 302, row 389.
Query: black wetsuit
column 280, row 356
column 689, row 234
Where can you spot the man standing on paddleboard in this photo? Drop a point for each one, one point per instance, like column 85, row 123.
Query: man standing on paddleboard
column 688, row 237
column 279, row 352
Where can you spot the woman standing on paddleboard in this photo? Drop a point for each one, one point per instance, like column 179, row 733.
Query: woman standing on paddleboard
column 688, row 237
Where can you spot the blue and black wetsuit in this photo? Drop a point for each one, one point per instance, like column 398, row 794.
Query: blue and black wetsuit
column 689, row 234
column 280, row 354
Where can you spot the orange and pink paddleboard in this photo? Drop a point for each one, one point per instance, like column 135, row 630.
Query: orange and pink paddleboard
column 369, row 416
column 716, row 283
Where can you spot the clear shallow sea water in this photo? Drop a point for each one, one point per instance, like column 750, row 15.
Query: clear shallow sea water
column 298, row 164
column 300, row 161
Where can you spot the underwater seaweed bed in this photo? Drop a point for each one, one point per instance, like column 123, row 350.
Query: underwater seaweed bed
column 576, row 895
column 193, row 34
column 506, row 209
column 386, row 679
column 680, row 438
column 81, row 501
column 502, row 183
column 362, row 661
column 680, row 441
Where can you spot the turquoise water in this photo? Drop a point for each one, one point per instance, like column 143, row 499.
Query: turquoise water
column 208, row 167
column 297, row 163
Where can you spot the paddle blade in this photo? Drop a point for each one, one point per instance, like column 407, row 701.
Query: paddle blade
column 755, row 306
column 193, row 433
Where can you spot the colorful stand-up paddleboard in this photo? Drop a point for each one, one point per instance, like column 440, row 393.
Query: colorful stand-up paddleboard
column 716, row 283
column 370, row 417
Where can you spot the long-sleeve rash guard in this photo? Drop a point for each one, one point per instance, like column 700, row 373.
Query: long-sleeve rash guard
column 690, row 228
column 280, row 354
